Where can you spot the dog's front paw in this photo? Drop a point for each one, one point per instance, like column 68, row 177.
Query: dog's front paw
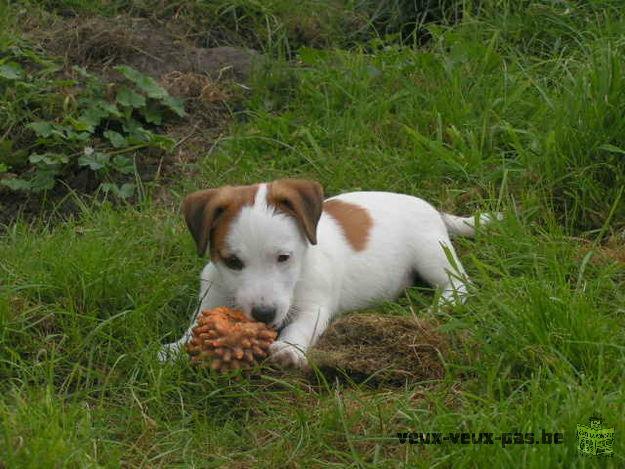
column 169, row 352
column 287, row 355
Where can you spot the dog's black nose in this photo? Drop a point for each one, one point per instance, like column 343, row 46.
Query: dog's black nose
column 264, row 313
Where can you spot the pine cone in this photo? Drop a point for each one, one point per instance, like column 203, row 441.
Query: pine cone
column 225, row 339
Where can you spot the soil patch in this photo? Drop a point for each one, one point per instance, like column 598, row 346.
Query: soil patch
column 150, row 48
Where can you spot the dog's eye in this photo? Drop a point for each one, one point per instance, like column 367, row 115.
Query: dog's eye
column 287, row 204
column 283, row 258
column 234, row 263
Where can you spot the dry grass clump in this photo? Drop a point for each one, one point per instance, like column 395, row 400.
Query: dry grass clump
column 383, row 349
column 194, row 86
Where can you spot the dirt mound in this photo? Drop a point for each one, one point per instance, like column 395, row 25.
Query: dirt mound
column 381, row 349
column 148, row 47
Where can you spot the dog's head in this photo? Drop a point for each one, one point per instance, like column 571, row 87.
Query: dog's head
column 257, row 237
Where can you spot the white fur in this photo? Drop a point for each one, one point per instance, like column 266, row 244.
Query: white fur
column 408, row 236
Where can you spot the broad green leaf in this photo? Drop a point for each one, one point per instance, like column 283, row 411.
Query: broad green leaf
column 127, row 97
column 43, row 129
column 77, row 136
column 48, row 159
column 152, row 113
column 161, row 141
column 123, row 164
column 11, row 71
column 175, row 104
column 137, row 135
column 130, row 73
column 83, row 124
column 150, row 87
column 109, row 108
column 116, row 139
column 126, row 190
column 131, row 126
column 16, row 184
column 145, row 83
column 91, row 117
column 35, row 158
column 43, row 180
column 3, row 168
column 95, row 160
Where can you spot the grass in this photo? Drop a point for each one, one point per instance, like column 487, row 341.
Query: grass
column 517, row 107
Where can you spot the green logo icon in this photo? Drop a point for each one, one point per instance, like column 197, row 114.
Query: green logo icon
column 593, row 440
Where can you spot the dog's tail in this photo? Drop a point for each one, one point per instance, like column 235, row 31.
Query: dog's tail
column 465, row 226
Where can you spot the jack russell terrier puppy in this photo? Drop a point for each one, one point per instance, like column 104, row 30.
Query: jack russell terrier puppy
column 286, row 257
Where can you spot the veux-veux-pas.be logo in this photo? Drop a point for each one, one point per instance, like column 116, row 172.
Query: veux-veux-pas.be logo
column 593, row 440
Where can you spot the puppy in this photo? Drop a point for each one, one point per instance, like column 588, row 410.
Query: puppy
column 286, row 257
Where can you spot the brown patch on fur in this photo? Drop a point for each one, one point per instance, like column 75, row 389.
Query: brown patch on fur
column 301, row 199
column 210, row 212
column 354, row 220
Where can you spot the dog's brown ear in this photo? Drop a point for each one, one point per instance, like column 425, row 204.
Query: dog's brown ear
column 300, row 198
column 201, row 211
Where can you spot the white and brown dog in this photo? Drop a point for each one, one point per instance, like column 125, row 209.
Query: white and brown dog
column 286, row 257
